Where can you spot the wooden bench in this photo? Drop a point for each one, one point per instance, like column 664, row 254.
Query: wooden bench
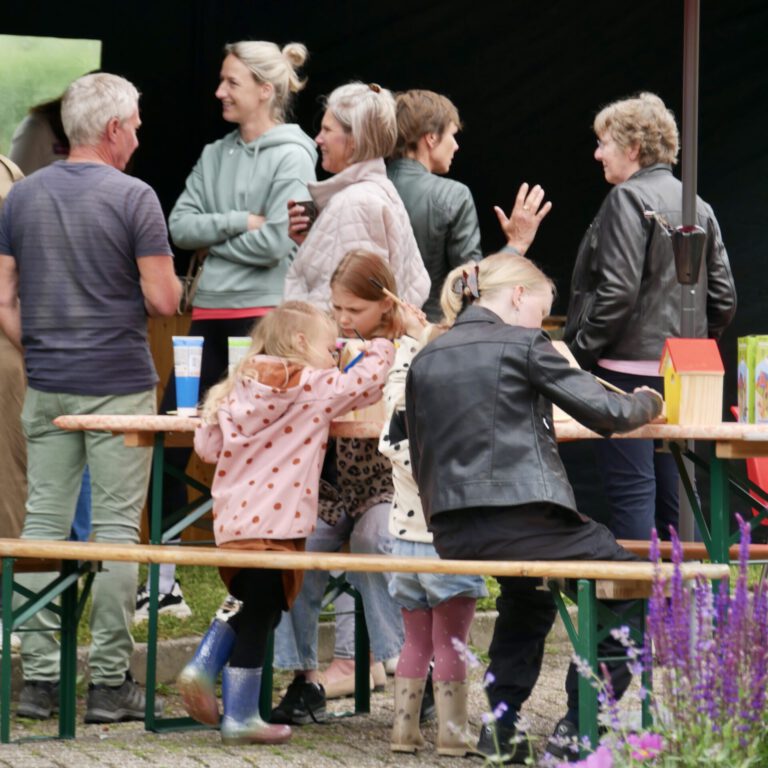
column 593, row 580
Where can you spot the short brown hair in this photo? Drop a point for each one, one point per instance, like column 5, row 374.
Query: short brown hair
column 643, row 121
column 421, row 112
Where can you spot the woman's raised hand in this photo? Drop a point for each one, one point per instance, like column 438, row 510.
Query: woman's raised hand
column 298, row 222
column 521, row 225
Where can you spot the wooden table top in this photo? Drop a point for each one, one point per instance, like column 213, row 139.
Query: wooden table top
column 565, row 430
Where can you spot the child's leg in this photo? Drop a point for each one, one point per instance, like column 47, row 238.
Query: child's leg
column 451, row 620
column 412, row 667
column 417, row 647
column 382, row 614
column 296, row 637
column 263, row 598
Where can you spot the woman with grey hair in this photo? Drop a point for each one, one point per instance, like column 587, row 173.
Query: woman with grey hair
column 625, row 302
column 625, row 298
column 358, row 208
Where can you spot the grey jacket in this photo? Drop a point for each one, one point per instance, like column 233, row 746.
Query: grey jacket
column 444, row 221
column 479, row 415
column 625, row 298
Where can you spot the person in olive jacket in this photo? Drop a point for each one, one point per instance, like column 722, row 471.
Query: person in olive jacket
column 625, row 298
column 442, row 211
column 483, row 453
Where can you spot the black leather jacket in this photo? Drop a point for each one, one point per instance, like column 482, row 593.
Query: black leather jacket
column 479, row 415
column 625, row 298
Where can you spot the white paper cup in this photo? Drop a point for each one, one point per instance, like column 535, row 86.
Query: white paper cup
column 187, row 358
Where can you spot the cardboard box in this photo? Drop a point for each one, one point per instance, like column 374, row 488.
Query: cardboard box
column 745, row 379
column 760, row 381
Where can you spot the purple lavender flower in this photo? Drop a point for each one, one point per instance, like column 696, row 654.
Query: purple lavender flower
column 465, row 653
column 713, row 673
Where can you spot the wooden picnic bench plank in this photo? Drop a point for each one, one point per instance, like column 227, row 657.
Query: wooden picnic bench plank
column 212, row 556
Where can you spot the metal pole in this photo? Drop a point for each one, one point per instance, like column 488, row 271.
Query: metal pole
column 690, row 138
column 690, row 109
column 690, row 135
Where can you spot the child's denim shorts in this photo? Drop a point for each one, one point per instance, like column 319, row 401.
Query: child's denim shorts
column 419, row 591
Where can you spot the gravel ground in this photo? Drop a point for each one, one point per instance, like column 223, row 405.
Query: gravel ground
column 353, row 741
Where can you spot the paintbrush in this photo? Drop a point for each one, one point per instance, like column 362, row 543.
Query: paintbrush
column 387, row 292
column 609, row 386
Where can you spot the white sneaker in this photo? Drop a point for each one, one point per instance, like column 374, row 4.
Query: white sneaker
column 228, row 608
column 15, row 640
column 170, row 604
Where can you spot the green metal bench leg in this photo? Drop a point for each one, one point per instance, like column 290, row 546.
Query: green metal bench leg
column 155, row 537
column 720, row 509
column 6, row 668
column 267, row 679
column 68, row 663
column 646, row 678
column 587, row 650
column 154, row 584
column 362, row 660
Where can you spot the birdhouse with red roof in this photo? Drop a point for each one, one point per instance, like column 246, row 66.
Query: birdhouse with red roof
column 693, row 381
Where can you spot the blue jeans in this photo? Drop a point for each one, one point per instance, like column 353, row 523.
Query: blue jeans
column 296, row 635
column 640, row 483
column 81, row 525
column 423, row 591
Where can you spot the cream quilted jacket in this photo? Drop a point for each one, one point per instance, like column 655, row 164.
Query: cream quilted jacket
column 359, row 208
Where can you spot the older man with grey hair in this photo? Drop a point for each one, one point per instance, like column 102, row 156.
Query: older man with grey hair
column 84, row 258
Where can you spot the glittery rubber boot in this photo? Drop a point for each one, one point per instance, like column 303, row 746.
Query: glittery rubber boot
column 197, row 681
column 242, row 723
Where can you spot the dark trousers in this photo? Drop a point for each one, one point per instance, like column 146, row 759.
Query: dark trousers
column 526, row 614
column 263, row 598
column 641, row 484
column 213, row 368
column 526, row 609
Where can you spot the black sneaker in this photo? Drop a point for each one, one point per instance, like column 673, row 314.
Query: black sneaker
column 169, row 604
column 108, row 704
column 563, row 744
column 38, row 700
column 502, row 745
column 303, row 703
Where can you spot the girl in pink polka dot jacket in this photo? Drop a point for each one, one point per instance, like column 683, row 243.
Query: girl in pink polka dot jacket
column 266, row 429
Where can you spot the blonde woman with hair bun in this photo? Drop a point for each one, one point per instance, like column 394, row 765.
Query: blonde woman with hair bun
column 233, row 210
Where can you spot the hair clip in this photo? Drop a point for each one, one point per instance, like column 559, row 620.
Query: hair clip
column 467, row 286
column 472, row 282
column 375, row 87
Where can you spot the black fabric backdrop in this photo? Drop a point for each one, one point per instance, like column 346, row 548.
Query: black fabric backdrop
column 527, row 78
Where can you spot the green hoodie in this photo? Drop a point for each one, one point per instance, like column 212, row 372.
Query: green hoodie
column 230, row 180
